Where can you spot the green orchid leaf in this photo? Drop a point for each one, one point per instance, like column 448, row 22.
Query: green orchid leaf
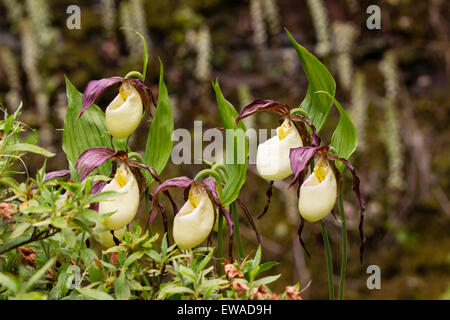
column 40, row 273
column 87, row 132
column 9, row 282
column 159, row 142
column 26, row 147
column 19, row 230
column 345, row 138
column 121, row 288
column 319, row 78
column 236, row 151
column 69, row 237
column 10, row 182
column 92, row 294
column 266, row 280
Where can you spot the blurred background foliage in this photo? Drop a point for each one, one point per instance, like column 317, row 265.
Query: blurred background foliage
column 393, row 81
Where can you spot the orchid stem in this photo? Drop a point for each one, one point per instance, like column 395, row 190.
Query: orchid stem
column 142, row 75
column 135, row 74
column 236, row 230
column 220, row 167
column 215, row 175
column 326, row 243
column 219, row 244
column 344, row 248
column 147, row 207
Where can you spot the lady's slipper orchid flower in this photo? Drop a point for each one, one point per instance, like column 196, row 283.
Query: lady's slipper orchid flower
column 106, row 238
column 272, row 157
column 318, row 193
column 124, row 113
column 195, row 220
column 124, row 206
column 197, row 207
column 127, row 179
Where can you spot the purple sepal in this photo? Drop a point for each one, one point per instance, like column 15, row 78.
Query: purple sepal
column 97, row 187
column 94, row 89
column 300, row 158
column 315, row 139
column 210, row 187
column 250, row 219
column 155, row 176
column 269, row 197
column 92, row 158
column 144, row 92
column 179, row 182
column 263, row 105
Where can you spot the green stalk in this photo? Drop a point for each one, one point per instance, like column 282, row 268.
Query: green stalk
column 215, row 175
column 236, row 230
column 82, row 243
column 147, row 207
column 219, row 244
column 344, row 248
column 140, row 76
column 221, row 168
column 326, row 242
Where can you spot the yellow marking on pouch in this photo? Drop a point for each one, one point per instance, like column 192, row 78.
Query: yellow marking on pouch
column 125, row 91
column 121, row 178
column 194, row 196
column 283, row 130
column 321, row 170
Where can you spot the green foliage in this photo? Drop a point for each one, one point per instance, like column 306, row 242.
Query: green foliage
column 55, row 224
column 236, row 171
column 11, row 146
column 26, row 147
column 87, row 132
column 345, row 138
column 319, row 78
column 159, row 142
column 319, row 100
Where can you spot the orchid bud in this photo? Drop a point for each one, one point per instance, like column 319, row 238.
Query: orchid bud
column 318, row 193
column 272, row 157
column 195, row 220
column 124, row 206
column 106, row 239
column 124, row 113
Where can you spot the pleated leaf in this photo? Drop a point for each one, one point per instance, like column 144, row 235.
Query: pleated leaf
column 26, row 147
column 159, row 142
column 345, row 138
column 89, row 131
column 319, row 79
column 236, row 171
